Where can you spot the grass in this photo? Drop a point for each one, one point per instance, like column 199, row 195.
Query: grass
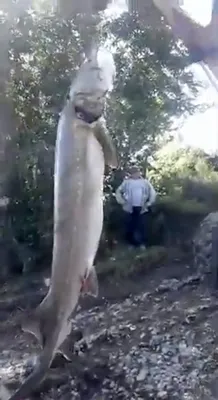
column 126, row 262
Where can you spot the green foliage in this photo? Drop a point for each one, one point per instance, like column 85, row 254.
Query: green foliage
column 185, row 178
column 149, row 89
column 183, row 206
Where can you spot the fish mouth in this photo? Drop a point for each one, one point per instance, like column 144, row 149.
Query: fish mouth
column 86, row 116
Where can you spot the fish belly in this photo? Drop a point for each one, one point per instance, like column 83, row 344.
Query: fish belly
column 78, row 212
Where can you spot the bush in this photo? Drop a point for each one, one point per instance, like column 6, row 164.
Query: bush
column 186, row 176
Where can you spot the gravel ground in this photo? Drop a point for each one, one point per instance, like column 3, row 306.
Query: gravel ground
column 156, row 341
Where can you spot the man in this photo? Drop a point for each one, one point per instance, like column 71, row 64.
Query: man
column 136, row 195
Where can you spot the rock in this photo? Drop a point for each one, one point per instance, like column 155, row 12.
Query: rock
column 162, row 395
column 167, row 285
column 142, row 374
column 202, row 243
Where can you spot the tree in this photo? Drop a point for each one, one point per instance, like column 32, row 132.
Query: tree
column 43, row 57
column 150, row 84
column 7, row 118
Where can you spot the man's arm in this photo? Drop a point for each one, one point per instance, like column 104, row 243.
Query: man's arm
column 152, row 194
column 119, row 193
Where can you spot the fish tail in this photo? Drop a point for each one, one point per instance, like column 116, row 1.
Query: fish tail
column 38, row 374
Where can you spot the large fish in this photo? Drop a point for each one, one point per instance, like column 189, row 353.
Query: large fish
column 83, row 147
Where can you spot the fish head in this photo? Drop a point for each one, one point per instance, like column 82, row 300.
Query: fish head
column 94, row 80
column 89, row 106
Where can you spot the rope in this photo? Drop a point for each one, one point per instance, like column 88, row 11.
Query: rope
column 210, row 75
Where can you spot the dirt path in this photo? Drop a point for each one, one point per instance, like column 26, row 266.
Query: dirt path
column 148, row 338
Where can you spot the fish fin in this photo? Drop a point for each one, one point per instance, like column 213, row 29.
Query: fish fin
column 31, row 324
column 103, row 137
column 64, row 333
column 67, row 346
column 65, row 351
column 90, row 283
column 35, row 379
column 38, row 321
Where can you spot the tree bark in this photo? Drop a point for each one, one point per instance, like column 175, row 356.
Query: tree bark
column 7, row 117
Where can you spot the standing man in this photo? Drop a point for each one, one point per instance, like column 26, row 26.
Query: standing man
column 136, row 195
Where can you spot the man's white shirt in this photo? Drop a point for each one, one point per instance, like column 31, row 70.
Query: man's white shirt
column 135, row 193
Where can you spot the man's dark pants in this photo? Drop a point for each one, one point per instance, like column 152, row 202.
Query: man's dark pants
column 135, row 227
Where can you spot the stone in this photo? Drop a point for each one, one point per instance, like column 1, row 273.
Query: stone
column 202, row 243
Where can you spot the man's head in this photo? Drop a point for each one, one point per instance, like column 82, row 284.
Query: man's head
column 135, row 172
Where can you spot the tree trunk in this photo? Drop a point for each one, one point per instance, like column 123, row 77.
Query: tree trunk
column 7, row 118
